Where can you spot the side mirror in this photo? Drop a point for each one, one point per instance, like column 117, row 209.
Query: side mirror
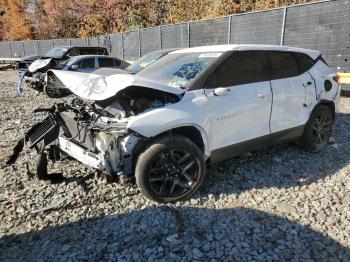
column 74, row 67
column 221, row 91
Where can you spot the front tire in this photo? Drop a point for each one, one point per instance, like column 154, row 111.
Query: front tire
column 171, row 168
column 318, row 130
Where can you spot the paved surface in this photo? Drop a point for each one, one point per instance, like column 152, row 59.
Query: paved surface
column 276, row 204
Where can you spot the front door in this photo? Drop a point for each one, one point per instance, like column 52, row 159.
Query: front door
column 240, row 98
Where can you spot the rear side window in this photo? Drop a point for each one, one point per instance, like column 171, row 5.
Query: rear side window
column 240, row 68
column 305, row 62
column 87, row 63
column 108, row 62
column 91, row 51
column 283, row 65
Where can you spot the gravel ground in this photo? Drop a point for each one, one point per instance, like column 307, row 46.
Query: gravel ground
column 279, row 203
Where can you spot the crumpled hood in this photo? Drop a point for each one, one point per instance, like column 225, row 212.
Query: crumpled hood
column 30, row 58
column 100, row 87
column 37, row 64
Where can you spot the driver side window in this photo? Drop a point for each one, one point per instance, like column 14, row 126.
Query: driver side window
column 87, row 63
column 242, row 67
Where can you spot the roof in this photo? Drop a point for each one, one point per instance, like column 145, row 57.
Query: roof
column 88, row 56
column 163, row 51
column 75, row 46
column 226, row 48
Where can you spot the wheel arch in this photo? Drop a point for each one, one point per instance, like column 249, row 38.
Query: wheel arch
column 329, row 104
column 193, row 132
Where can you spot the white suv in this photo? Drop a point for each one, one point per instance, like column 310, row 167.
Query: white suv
column 193, row 105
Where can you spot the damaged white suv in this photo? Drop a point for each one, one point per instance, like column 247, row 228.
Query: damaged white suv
column 193, row 105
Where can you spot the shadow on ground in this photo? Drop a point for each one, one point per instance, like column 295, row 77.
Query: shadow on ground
column 167, row 232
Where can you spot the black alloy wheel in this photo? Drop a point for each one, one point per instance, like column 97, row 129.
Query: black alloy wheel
column 321, row 128
column 173, row 173
column 170, row 169
column 318, row 130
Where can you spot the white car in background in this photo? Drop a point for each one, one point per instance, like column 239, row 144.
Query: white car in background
column 193, row 105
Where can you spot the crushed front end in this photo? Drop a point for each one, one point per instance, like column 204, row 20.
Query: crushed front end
column 94, row 132
column 35, row 75
column 85, row 132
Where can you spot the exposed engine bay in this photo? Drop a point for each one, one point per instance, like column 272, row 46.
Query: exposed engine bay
column 95, row 132
column 35, row 75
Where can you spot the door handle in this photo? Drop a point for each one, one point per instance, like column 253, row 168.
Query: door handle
column 262, row 95
column 309, row 83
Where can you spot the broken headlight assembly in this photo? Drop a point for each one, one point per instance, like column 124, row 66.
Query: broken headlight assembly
column 83, row 131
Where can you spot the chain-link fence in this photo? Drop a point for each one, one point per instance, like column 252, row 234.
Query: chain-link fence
column 324, row 26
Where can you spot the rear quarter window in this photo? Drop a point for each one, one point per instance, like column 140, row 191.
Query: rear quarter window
column 305, row 62
column 283, row 65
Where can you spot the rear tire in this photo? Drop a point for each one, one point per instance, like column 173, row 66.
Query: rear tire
column 318, row 129
column 171, row 168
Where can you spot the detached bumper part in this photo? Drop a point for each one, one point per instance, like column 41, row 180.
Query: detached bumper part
column 80, row 154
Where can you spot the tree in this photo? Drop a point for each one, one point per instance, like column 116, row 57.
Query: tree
column 2, row 13
column 15, row 24
column 61, row 18
column 186, row 10
column 48, row 19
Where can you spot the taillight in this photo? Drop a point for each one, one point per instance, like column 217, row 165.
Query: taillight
column 342, row 78
column 336, row 78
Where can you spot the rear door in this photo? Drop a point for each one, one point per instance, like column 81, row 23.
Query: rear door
column 292, row 90
column 244, row 113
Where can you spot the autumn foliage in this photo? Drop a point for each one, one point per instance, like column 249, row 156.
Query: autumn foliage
column 48, row 19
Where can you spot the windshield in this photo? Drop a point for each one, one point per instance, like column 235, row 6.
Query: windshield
column 56, row 52
column 144, row 61
column 179, row 69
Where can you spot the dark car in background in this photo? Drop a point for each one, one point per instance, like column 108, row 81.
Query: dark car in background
column 34, row 72
column 63, row 53
column 84, row 64
column 138, row 65
column 54, row 90
column 89, row 63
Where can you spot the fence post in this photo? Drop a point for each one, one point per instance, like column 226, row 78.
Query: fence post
column 229, row 30
column 188, row 35
column 283, row 25
column 10, row 49
column 37, row 47
column 160, row 38
column 139, row 39
column 182, row 38
column 24, row 51
column 122, row 42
